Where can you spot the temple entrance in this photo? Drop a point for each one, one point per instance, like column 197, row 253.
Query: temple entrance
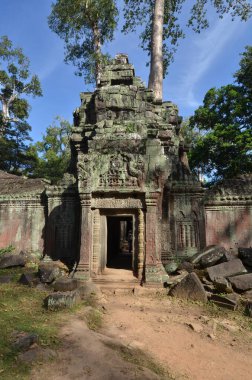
column 120, row 242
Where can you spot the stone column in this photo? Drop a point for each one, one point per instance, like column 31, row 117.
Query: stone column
column 140, row 266
column 96, row 245
column 154, row 270
column 86, row 241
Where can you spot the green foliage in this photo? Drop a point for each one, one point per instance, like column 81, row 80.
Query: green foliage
column 81, row 23
column 15, row 82
column 16, row 155
column 53, row 152
column 223, row 144
column 8, row 249
column 139, row 13
column 130, row 128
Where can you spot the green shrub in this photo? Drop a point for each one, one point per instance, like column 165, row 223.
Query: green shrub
column 8, row 249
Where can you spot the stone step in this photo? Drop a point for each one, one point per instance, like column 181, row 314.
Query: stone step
column 133, row 288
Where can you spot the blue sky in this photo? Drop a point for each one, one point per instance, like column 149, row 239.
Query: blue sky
column 202, row 61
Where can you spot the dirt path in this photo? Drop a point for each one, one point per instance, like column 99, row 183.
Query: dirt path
column 159, row 326
column 221, row 349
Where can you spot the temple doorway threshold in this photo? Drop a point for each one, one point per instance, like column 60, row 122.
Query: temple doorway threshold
column 119, row 247
column 117, row 276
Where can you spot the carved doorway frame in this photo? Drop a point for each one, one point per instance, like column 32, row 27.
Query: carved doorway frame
column 99, row 251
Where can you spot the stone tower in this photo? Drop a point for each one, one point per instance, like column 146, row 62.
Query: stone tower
column 126, row 150
column 128, row 186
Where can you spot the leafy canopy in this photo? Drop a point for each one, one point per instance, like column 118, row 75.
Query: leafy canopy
column 139, row 13
column 222, row 146
column 53, row 152
column 16, row 156
column 16, row 83
column 75, row 22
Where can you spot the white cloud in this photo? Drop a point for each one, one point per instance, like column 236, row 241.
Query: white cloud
column 50, row 66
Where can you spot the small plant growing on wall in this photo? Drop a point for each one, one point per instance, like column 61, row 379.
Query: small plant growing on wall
column 8, row 249
column 130, row 128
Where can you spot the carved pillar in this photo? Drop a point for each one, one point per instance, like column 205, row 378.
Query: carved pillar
column 140, row 266
column 154, row 270
column 83, row 268
column 96, row 245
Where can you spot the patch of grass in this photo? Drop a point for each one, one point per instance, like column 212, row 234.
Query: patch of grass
column 94, row 319
column 140, row 359
column 21, row 309
column 15, row 272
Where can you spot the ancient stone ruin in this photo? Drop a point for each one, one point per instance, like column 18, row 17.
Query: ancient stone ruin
column 129, row 176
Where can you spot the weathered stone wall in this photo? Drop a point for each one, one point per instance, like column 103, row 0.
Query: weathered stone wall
column 22, row 213
column 22, row 224
column 228, row 213
column 63, row 221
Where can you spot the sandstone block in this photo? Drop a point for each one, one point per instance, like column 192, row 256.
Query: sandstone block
column 186, row 265
column 61, row 300
column 228, row 302
column 48, row 272
column 242, row 282
column 222, row 285
column 227, row 269
column 64, row 284
column 23, row 340
column 9, row 260
column 209, row 256
column 30, row 279
column 189, row 288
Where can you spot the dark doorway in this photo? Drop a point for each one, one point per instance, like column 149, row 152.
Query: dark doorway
column 120, row 242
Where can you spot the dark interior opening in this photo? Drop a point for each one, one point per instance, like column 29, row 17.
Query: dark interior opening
column 119, row 242
column 126, row 82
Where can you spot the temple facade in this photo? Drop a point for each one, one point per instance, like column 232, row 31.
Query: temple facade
column 128, row 183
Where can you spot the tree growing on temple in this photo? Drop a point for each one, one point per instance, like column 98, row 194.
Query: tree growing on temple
column 53, row 152
column 84, row 25
column 162, row 29
column 222, row 146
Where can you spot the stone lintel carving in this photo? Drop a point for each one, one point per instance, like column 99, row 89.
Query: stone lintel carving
column 85, row 199
column 125, row 170
column 117, row 203
column 152, row 199
column 230, row 201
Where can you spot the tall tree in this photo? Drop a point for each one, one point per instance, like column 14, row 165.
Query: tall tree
column 84, row 25
column 53, row 152
column 16, row 83
column 160, row 22
column 222, row 147
column 16, row 156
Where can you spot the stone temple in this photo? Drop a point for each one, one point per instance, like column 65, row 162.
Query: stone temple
column 128, row 175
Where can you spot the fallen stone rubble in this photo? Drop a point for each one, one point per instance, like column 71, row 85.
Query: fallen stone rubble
column 216, row 275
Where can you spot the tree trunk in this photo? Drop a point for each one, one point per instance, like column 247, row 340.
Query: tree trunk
column 97, row 50
column 5, row 116
column 156, row 64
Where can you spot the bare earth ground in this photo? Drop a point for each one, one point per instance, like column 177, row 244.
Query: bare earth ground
column 158, row 325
